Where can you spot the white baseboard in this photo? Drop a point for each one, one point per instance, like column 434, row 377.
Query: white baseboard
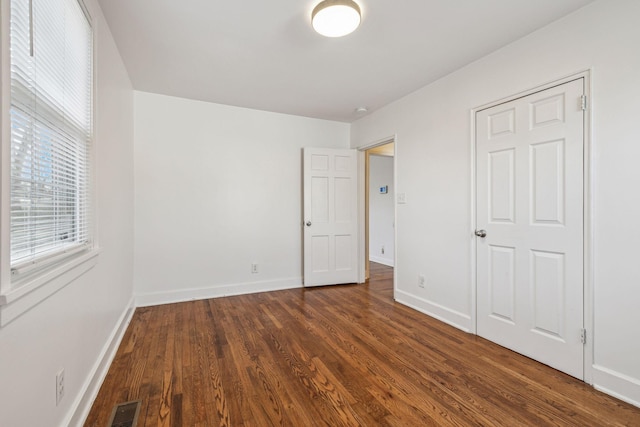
column 618, row 385
column 82, row 405
column 451, row 317
column 168, row 297
column 384, row 261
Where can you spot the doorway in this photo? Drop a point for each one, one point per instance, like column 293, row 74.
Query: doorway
column 379, row 218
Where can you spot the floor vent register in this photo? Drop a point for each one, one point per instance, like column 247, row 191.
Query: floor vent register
column 125, row 414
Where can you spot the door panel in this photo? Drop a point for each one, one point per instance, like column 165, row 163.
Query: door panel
column 502, row 181
column 530, row 202
column 330, row 216
column 547, row 180
column 320, row 199
column 548, row 290
column 502, row 282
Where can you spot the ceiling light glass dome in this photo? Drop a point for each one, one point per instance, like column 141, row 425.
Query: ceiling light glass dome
column 336, row 18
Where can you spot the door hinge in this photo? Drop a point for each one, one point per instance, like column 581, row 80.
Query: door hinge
column 583, row 336
column 584, row 102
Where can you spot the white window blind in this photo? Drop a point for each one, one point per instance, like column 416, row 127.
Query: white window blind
column 51, row 130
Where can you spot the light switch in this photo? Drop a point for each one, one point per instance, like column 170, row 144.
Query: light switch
column 402, row 198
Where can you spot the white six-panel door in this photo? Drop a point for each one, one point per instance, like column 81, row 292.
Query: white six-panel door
column 529, row 192
column 330, row 216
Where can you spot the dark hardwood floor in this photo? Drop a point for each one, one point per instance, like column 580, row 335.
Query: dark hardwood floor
column 333, row 356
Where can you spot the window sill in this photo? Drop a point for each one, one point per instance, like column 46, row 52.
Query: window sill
column 18, row 301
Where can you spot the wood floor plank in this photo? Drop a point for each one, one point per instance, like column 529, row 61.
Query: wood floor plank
column 333, row 356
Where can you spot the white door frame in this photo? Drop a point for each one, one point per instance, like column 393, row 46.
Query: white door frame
column 362, row 208
column 588, row 185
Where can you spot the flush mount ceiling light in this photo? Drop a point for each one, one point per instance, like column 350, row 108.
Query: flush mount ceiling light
column 336, row 18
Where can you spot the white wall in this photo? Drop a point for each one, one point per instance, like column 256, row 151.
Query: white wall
column 72, row 328
column 217, row 189
column 381, row 210
column 434, row 166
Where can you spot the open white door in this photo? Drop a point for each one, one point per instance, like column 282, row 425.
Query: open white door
column 530, row 221
column 330, row 216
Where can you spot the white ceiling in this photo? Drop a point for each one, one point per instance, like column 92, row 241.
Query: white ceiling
column 264, row 54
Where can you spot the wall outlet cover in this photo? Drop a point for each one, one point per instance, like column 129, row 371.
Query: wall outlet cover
column 421, row 281
column 59, row 386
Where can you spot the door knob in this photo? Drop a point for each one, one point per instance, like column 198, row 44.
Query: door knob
column 481, row 233
column 308, row 223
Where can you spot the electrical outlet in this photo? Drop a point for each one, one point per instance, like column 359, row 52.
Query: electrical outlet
column 421, row 281
column 59, row 386
column 254, row 268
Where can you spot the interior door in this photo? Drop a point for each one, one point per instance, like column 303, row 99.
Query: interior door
column 530, row 225
column 330, row 216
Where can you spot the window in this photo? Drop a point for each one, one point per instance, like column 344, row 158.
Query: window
column 51, row 47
